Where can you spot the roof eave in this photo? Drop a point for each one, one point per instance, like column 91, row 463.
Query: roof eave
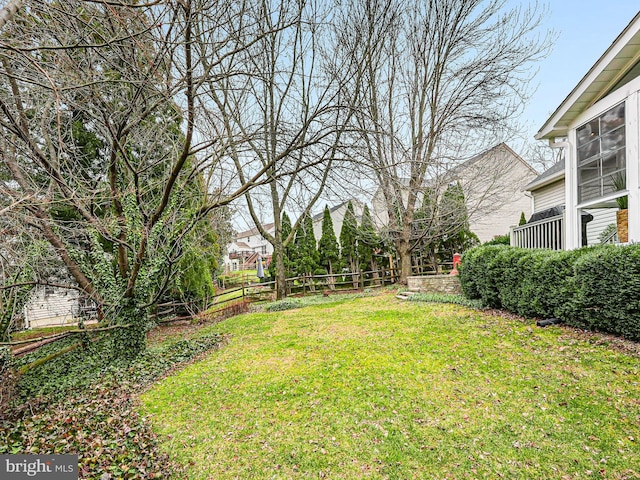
column 577, row 101
column 535, row 185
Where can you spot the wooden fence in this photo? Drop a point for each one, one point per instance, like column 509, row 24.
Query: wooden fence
column 226, row 303
column 251, row 289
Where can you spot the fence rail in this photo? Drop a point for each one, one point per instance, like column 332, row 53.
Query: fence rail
column 252, row 289
column 231, row 301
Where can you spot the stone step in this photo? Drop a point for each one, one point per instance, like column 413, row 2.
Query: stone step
column 405, row 295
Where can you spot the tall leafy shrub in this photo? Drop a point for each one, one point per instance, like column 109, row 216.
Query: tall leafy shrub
column 607, row 282
column 596, row 288
column 328, row 249
column 348, row 240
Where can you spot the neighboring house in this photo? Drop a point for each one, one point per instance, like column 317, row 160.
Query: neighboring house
column 493, row 183
column 548, row 205
column 494, row 187
column 243, row 252
column 337, row 213
column 598, row 125
column 54, row 306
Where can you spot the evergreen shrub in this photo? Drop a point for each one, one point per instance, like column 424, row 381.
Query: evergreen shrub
column 595, row 288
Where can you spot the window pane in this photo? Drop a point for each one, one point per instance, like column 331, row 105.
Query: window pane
column 601, row 153
column 583, row 135
column 589, row 150
column 613, row 163
column 588, row 172
column 612, row 119
column 589, row 131
column 607, row 185
column 589, row 191
column 613, row 140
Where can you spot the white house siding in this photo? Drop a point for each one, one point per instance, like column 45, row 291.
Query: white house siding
column 494, row 187
column 494, row 191
column 337, row 217
column 548, row 196
column 49, row 307
column 249, row 240
column 602, row 218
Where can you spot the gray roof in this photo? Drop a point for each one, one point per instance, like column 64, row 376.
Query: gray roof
column 318, row 216
column 556, row 172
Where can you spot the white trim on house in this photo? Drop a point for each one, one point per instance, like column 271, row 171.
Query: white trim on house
column 610, row 68
column 592, row 97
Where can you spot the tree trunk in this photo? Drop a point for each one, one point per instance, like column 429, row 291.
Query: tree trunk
column 129, row 342
column 354, row 274
column 375, row 275
column 331, row 282
column 404, row 252
column 281, row 274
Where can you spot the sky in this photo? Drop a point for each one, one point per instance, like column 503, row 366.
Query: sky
column 585, row 29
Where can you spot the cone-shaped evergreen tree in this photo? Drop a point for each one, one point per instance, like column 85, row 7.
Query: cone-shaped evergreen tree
column 523, row 219
column 306, row 253
column 328, row 249
column 367, row 240
column 454, row 223
column 348, row 240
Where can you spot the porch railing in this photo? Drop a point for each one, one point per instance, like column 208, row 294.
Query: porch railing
column 545, row 233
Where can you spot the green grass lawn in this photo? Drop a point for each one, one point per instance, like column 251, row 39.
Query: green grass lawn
column 376, row 388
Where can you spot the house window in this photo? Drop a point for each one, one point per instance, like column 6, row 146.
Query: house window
column 601, row 154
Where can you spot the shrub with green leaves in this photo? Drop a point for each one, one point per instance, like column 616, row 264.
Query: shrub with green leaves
column 94, row 361
column 445, row 298
column 283, row 305
column 499, row 240
column 607, row 283
column 596, row 288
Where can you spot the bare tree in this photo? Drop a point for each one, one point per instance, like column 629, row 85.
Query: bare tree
column 542, row 157
column 8, row 11
column 284, row 115
column 104, row 133
column 441, row 77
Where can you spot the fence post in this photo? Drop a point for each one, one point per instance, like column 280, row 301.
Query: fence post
column 391, row 267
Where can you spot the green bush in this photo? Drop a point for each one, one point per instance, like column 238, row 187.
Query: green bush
column 607, row 281
column 596, row 288
column 499, row 240
column 474, row 263
column 481, row 271
column 445, row 298
column 283, row 305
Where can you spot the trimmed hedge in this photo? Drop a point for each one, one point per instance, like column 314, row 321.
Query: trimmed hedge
column 596, row 288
